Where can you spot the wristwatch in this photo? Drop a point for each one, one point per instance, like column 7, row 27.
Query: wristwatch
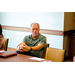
column 31, row 49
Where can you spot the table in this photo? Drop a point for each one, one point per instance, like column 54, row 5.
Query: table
column 23, row 58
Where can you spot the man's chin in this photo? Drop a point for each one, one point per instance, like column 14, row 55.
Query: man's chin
column 35, row 35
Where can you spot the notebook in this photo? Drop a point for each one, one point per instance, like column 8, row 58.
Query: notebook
column 7, row 53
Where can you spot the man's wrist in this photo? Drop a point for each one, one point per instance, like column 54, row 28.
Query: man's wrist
column 31, row 49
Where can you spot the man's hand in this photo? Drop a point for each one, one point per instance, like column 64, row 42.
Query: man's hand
column 23, row 48
column 20, row 47
column 26, row 48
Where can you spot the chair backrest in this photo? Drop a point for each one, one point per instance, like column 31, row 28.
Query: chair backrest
column 43, row 56
column 55, row 54
column 5, row 40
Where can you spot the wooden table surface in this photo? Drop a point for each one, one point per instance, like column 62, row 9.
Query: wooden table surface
column 22, row 58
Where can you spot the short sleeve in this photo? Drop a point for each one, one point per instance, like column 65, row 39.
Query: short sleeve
column 43, row 41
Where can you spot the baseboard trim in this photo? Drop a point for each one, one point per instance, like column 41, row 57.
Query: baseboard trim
column 25, row 29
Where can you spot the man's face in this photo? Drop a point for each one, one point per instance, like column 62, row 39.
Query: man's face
column 35, row 30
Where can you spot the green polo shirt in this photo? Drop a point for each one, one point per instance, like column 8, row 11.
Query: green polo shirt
column 34, row 42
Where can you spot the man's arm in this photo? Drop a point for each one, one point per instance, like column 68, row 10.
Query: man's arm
column 41, row 44
column 38, row 47
column 35, row 48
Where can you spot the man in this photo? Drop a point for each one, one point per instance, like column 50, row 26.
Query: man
column 33, row 44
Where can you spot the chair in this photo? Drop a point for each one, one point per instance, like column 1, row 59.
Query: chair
column 5, row 40
column 54, row 54
column 43, row 56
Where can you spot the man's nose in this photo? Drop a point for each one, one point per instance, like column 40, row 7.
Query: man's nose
column 34, row 30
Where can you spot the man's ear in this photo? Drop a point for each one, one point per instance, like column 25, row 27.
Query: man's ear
column 39, row 28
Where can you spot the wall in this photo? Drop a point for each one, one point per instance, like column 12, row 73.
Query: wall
column 69, row 24
column 47, row 20
column 69, row 21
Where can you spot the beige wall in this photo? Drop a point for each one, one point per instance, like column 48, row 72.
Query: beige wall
column 69, row 21
column 69, row 24
column 47, row 20
column 63, row 21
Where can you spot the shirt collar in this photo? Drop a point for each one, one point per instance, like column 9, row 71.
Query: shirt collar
column 30, row 36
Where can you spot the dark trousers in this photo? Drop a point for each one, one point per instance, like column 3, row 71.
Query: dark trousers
column 26, row 53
